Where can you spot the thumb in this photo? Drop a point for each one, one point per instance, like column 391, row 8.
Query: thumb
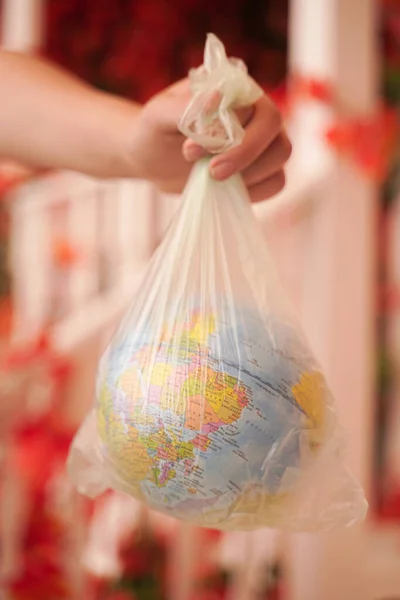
column 169, row 105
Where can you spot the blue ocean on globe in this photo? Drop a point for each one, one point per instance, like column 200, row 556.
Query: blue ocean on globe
column 206, row 422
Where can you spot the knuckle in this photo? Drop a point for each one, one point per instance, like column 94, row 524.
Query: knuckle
column 245, row 115
column 286, row 148
column 147, row 114
column 275, row 119
column 269, row 116
column 280, row 181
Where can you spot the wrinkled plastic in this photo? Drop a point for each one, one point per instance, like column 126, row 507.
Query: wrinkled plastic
column 210, row 405
column 219, row 87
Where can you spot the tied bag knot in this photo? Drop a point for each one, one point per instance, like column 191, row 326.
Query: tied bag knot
column 219, row 86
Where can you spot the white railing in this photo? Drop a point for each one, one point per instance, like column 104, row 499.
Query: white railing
column 112, row 228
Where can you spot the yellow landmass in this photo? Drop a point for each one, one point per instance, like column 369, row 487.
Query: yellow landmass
column 156, row 476
column 185, row 450
column 201, row 329
column 171, row 474
column 105, row 397
column 103, row 412
column 160, row 373
column 222, row 397
column 171, row 400
column 128, row 452
column 186, row 340
column 166, row 447
column 198, row 413
column 142, row 418
column 156, row 472
column 218, row 392
column 130, row 383
column 102, row 425
column 309, row 393
column 257, row 503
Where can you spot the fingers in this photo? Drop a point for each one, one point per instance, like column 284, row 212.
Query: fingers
column 269, row 162
column 245, row 115
column 191, row 150
column 268, row 188
column 260, row 157
column 263, row 128
column 264, row 177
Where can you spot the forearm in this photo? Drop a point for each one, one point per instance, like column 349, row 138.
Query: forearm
column 50, row 119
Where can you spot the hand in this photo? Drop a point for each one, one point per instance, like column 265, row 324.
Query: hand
column 162, row 155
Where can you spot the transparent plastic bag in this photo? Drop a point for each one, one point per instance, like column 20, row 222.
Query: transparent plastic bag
column 210, row 406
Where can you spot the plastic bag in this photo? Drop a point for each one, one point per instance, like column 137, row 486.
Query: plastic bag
column 210, row 406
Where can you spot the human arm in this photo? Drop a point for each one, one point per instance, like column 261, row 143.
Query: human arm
column 50, row 119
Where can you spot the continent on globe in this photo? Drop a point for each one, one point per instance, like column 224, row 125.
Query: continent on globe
column 205, row 428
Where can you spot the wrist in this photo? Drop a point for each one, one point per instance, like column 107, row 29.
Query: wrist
column 120, row 117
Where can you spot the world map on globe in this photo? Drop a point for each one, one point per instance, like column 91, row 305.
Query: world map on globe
column 206, row 421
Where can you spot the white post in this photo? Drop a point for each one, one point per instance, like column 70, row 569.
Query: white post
column 183, row 562
column 22, row 23
column 335, row 39
column 83, row 230
column 30, row 260
column 136, row 227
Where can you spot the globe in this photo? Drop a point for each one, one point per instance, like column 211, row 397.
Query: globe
column 210, row 417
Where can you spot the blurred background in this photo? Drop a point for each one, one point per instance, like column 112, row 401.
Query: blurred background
column 72, row 251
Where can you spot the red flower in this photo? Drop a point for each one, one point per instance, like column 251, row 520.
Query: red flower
column 41, row 580
column 391, row 506
column 390, row 298
column 23, row 357
column 5, row 185
column 275, row 594
column 316, row 89
column 340, row 136
column 212, row 534
column 320, row 90
column 368, row 141
column 65, row 254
